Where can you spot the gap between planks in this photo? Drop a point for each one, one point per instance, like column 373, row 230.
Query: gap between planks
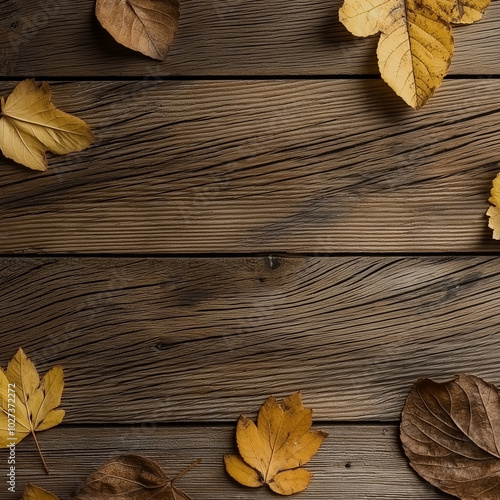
column 206, row 339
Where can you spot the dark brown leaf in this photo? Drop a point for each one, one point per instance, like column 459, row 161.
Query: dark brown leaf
column 131, row 477
column 147, row 26
column 451, row 434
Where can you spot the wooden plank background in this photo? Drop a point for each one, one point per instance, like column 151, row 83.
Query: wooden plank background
column 214, row 337
column 312, row 166
column 216, row 37
column 259, row 214
column 350, row 462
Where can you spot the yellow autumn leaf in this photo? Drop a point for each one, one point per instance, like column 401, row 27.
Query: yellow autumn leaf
column 147, row 26
column 272, row 451
column 416, row 40
column 494, row 212
column 35, row 493
column 30, row 125
column 28, row 404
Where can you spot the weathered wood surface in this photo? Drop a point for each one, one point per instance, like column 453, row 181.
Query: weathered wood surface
column 260, row 166
column 216, row 37
column 204, row 339
column 284, row 164
column 354, row 463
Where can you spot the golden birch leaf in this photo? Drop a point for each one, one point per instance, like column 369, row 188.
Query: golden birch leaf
column 35, row 493
column 29, row 404
column 416, row 40
column 494, row 212
column 147, row 26
column 131, row 477
column 30, row 125
column 273, row 450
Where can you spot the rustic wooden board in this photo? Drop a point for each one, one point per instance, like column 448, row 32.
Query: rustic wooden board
column 162, row 354
column 218, row 37
column 204, row 339
column 355, row 462
column 260, row 166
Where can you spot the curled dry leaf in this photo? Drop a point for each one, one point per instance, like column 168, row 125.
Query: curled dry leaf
column 147, row 26
column 132, row 477
column 28, row 404
column 273, row 450
column 30, row 125
column 451, row 434
column 494, row 212
column 416, row 41
column 35, row 493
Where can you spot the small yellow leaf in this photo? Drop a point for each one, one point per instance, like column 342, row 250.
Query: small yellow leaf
column 416, row 42
column 242, row 472
column 291, row 481
column 30, row 125
column 28, row 404
column 35, row 493
column 147, row 26
column 494, row 212
column 275, row 447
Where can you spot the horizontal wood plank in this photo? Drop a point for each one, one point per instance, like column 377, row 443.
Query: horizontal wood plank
column 217, row 37
column 172, row 340
column 355, row 462
column 260, row 166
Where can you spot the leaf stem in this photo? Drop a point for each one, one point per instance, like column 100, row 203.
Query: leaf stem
column 41, row 454
column 185, row 471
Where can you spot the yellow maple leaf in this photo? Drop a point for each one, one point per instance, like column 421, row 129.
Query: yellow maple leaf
column 35, row 493
column 28, row 404
column 272, row 451
column 30, row 125
column 416, row 41
column 494, row 212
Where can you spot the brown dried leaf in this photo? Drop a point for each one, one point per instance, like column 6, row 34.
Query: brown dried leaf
column 132, row 477
column 273, row 450
column 451, row 434
column 147, row 26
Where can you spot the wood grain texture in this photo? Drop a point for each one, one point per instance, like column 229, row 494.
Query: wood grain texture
column 217, row 37
column 355, row 462
column 166, row 340
column 261, row 166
